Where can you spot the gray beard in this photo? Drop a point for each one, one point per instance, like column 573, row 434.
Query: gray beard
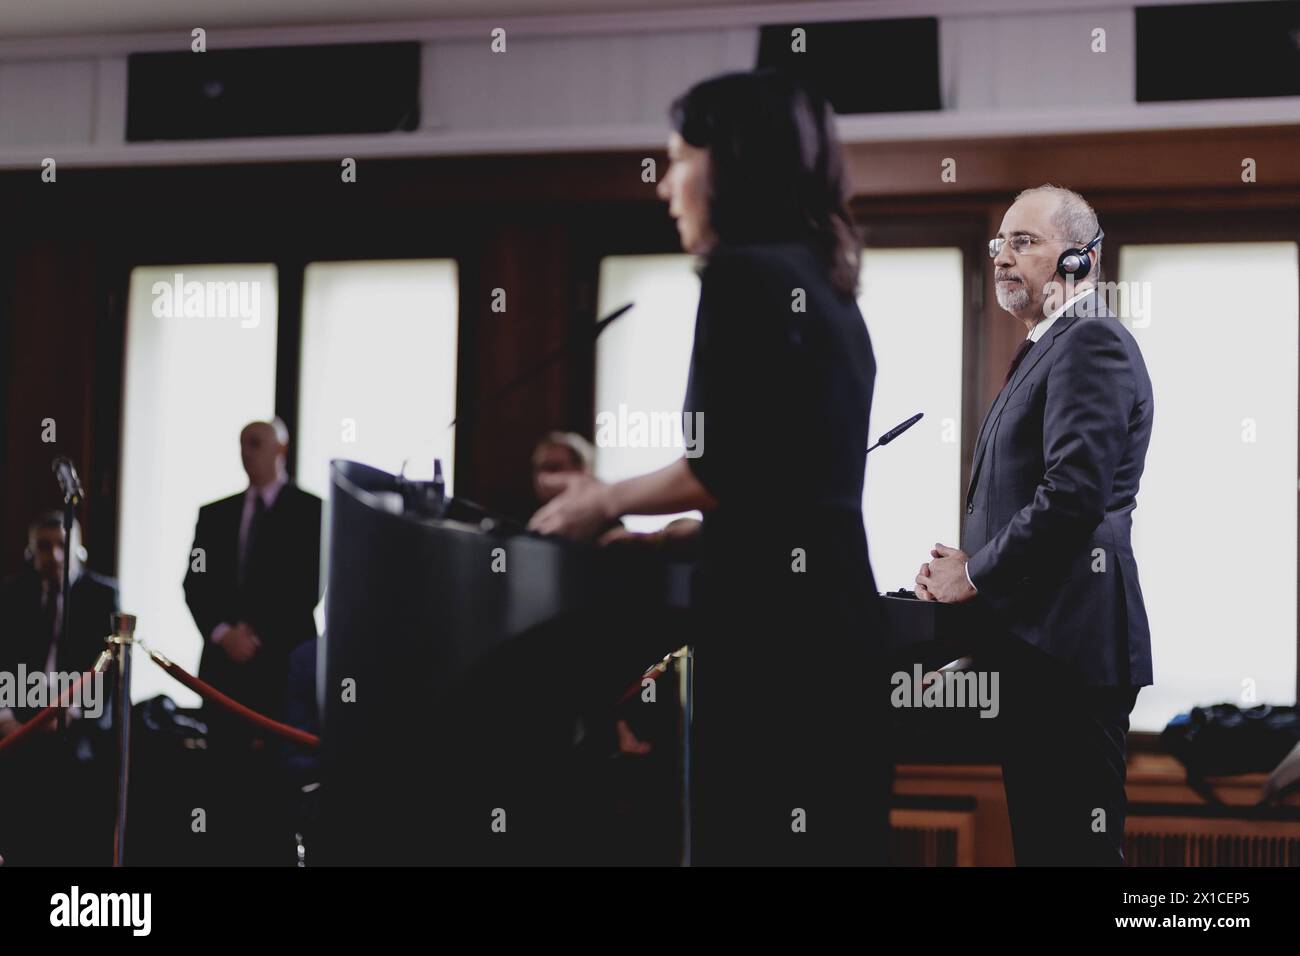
column 1015, row 301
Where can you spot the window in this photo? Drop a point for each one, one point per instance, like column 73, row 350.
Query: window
column 1215, row 524
column 378, row 374
column 200, row 364
column 642, row 362
column 911, row 299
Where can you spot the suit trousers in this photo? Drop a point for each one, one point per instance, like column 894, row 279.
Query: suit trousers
column 1063, row 749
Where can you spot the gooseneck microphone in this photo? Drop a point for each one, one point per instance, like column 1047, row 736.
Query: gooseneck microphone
column 66, row 473
column 897, row 430
column 577, row 339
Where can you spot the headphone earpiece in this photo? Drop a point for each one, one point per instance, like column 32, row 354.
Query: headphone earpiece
column 1076, row 263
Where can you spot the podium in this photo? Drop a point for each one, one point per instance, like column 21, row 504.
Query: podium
column 927, row 632
column 924, row 637
column 460, row 652
column 461, row 657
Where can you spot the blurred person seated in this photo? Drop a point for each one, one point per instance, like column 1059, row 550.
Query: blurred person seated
column 557, row 459
column 559, row 453
column 57, row 808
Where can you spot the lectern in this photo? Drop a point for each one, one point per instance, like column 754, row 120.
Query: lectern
column 927, row 632
column 460, row 657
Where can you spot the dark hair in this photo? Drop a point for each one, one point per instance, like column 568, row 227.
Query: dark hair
column 53, row 519
column 50, row 519
column 777, row 173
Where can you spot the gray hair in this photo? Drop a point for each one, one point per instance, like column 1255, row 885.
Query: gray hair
column 1074, row 217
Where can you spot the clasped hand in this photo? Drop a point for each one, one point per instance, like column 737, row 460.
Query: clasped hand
column 943, row 578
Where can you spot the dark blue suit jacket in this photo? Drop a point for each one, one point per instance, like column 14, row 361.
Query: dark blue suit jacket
column 1054, row 482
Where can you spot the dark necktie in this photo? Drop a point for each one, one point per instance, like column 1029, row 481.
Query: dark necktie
column 250, row 543
column 1021, row 352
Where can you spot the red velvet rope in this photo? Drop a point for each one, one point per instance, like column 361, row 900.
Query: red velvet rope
column 204, row 689
column 654, row 672
column 45, row 716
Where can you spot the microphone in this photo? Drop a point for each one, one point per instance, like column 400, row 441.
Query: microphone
column 66, row 473
column 461, row 509
column 583, row 337
column 897, row 430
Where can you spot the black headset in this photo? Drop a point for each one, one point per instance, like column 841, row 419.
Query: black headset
column 1076, row 263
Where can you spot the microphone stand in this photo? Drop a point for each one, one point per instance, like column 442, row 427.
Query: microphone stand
column 122, row 643
column 70, row 501
column 582, row 337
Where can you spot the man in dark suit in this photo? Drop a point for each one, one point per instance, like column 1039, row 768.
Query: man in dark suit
column 32, row 601
column 252, row 587
column 254, row 576
column 1047, row 537
column 57, row 808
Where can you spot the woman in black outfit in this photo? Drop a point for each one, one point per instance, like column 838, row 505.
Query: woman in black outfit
column 790, row 758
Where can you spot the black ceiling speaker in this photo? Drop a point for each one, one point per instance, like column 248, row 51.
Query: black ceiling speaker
column 1218, row 51
column 273, row 91
column 861, row 66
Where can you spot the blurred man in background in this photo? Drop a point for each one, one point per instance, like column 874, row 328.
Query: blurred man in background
column 254, row 598
column 57, row 805
column 252, row 586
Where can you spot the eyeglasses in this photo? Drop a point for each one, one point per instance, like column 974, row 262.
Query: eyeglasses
column 1020, row 243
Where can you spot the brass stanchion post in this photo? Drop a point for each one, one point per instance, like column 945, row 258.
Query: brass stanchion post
column 122, row 641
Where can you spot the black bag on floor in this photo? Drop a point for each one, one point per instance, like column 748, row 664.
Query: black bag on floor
column 1223, row 739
